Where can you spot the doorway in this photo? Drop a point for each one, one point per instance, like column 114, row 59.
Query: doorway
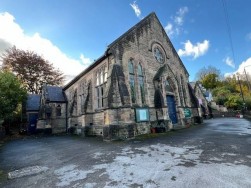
column 172, row 108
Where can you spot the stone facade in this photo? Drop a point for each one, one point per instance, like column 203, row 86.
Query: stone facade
column 139, row 85
column 52, row 112
column 203, row 103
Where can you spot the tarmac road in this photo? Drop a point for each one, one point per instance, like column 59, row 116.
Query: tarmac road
column 214, row 154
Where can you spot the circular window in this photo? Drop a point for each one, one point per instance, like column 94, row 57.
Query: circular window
column 158, row 55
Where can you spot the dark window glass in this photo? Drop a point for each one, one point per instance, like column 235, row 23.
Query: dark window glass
column 132, row 80
column 158, row 55
column 130, row 66
column 168, row 87
column 58, row 110
column 140, row 72
column 132, row 86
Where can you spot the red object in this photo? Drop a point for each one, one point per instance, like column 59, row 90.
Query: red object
column 153, row 130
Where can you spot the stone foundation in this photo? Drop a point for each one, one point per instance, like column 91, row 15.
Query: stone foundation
column 116, row 132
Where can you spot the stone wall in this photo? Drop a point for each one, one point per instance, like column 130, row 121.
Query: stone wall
column 116, row 118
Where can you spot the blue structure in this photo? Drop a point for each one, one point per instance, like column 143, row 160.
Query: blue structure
column 32, row 109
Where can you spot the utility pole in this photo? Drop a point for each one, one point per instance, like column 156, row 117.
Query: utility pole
column 249, row 88
column 241, row 94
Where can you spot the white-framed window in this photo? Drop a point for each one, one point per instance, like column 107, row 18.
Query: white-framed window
column 101, row 79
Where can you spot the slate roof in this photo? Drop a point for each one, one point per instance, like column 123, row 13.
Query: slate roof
column 192, row 84
column 33, row 102
column 107, row 52
column 55, row 94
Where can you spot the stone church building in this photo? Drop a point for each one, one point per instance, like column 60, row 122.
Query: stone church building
column 138, row 86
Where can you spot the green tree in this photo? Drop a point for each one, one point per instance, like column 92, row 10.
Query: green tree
column 234, row 102
column 221, row 95
column 32, row 69
column 210, row 81
column 248, row 102
column 12, row 94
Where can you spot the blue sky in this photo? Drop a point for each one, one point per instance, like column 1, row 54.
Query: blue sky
column 72, row 34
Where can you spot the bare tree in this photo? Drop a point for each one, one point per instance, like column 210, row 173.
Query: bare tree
column 31, row 69
column 203, row 72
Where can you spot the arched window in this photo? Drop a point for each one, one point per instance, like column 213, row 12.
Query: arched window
column 105, row 76
column 130, row 66
column 168, row 86
column 58, row 110
column 132, row 80
column 97, row 79
column 101, row 77
column 141, row 83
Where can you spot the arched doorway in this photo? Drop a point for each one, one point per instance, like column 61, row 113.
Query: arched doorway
column 171, row 104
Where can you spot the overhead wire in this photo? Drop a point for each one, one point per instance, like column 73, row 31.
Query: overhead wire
column 228, row 27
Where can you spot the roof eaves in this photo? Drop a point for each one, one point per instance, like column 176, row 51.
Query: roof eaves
column 95, row 63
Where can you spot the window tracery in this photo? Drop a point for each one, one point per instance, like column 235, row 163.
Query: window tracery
column 132, row 80
column 141, row 83
column 101, row 79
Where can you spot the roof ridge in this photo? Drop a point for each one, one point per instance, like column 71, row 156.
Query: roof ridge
column 131, row 29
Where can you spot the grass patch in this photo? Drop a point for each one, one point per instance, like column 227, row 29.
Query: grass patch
column 3, row 176
column 1, row 143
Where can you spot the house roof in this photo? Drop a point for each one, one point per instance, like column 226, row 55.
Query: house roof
column 85, row 71
column 107, row 52
column 192, row 84
column 33, row 102
column 139, row 24
column 55, row 94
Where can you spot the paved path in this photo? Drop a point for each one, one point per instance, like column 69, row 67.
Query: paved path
column 215, row 154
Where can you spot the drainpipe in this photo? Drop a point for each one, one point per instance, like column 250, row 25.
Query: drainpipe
column 66, row 118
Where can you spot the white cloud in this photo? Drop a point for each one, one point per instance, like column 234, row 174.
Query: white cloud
column 179, row 18
column 85, row 61
column 229, row 62
column 136, row 9
column 169, row 29
column 228, row 75
column 11, row 34
column 196, row 50
column 244, row 65
column 174, row 27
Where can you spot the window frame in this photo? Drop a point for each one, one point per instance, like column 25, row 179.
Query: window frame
column 101, row 80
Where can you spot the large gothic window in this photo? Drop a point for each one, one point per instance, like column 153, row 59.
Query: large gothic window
column 141, row 83
column 132, row 80
column 101, row 78
column 97, row 78
column 105, row 75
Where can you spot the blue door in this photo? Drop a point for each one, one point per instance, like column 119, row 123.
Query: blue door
column 172, row 108
column 32, row 122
